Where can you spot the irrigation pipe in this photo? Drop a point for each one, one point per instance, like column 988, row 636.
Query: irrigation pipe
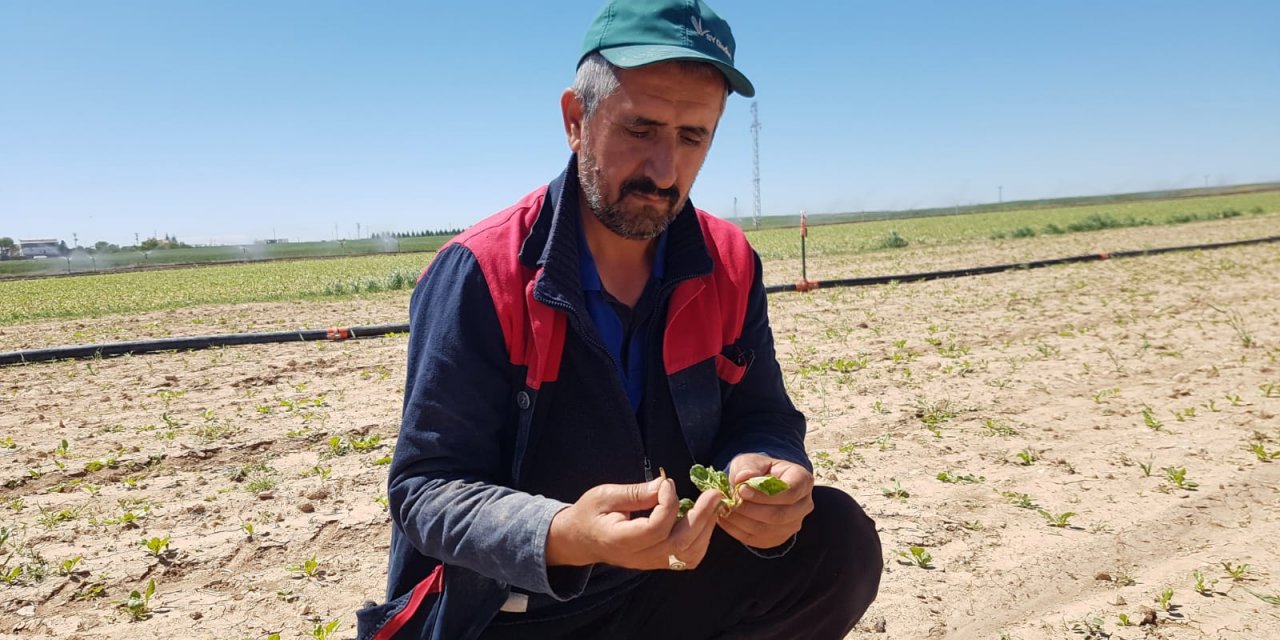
column 809, row 285
column 196, row 342
column 345, row 333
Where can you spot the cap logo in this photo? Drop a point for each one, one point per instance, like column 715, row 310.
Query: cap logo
column 699, row 31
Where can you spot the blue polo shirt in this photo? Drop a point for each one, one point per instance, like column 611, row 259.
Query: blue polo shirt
column 622, row 328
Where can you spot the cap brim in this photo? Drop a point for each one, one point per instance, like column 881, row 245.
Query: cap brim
column 639, row 55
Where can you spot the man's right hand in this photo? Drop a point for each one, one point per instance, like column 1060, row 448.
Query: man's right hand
column 598, row 528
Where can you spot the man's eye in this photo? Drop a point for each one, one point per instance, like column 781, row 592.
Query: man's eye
column 638, row 133
column 691, row 141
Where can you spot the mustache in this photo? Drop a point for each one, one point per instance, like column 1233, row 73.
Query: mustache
column 646, row 187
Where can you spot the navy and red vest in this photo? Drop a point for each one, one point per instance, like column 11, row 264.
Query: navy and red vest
column 567, row 422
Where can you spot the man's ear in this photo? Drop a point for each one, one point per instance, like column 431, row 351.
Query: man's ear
column 571, row 110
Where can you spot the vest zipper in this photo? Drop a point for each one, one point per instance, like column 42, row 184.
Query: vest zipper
column 591, row 340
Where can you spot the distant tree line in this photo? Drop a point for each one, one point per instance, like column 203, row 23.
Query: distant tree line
column 9, row 248
column 428, row 233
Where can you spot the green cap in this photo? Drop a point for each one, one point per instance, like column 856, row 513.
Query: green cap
column 634, row 33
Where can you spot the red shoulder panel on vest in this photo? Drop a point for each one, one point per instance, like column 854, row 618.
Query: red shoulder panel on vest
column 706, row 314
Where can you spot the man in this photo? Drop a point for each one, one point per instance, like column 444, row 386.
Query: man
column 565, row 350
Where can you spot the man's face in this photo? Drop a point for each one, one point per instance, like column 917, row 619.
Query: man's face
column 640, row 151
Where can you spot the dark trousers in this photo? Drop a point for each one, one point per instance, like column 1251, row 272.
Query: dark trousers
column 818, row 590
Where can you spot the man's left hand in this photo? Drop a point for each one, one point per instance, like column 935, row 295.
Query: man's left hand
column 764, row 521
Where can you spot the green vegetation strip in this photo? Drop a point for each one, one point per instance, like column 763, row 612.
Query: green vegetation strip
column 82, row 262
column 864, row 237
column 138, row 292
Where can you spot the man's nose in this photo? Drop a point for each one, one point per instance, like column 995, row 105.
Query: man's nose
column 661, row 167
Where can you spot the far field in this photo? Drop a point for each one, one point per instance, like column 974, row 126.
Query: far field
column 1068, row 452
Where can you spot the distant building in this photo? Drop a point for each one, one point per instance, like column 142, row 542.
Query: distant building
column 34, row 248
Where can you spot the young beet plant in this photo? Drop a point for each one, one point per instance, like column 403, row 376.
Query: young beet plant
column 707, row 478
column 1061, row 520
column 917, row 556
column 138, row 606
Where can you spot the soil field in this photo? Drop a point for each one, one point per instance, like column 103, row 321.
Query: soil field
column 1133, row 402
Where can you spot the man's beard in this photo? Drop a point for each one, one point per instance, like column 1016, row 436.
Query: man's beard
column 643, row 222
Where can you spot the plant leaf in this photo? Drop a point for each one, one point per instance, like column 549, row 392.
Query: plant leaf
column 685, row 505
column 767, row 485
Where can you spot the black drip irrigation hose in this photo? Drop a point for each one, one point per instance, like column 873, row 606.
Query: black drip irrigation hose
column 196, row 342
column 344, row 333
column 997, row 268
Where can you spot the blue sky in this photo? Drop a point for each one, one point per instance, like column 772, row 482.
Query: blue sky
column 223, row 121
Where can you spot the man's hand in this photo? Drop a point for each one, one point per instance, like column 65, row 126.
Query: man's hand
column 598, row 528
column 763, row 521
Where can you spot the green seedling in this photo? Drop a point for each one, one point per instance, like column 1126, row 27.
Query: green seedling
column 384, row 460
column 8, row 443
column 896, row 491
column 1146, row 468
column 1235, row 571
column 1200, row 585
column 138, row 606
column 1101, row 395
column 320, row 471
column 1150, row 419
column 1061, row 520
column 309, row 568
column 1020, row 500
column 1090, row 628
column 1261, row 452
column 1125, row 621
column 362, row 445
column 1178, row 476
column 1027, row 457
column 1272, row 599
column 325, row 631
column 247, row 528
column 63, row 449
column 1270, row 390
column 1165, row 600
column 50, row 518
column 11, row 576
column 385, row 502
column 337, row 447
column 997, row 428
column 917, row 556
column 708, row 478
column 68, row 566
column 951, row 478
column 90, row 591
column 157, row 547
column 1234, row 399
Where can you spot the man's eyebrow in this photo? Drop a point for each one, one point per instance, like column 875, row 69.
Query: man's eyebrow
column 641, row 121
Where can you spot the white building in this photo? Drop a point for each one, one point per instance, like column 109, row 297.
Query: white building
column 33, row 248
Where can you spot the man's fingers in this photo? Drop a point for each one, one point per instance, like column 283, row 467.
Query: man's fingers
column 691, row 536
column 625, row 497
column 799, row 486
column 748, row 465
column 770, row 514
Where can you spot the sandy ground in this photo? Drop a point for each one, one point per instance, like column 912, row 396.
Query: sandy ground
column 1079, row 389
